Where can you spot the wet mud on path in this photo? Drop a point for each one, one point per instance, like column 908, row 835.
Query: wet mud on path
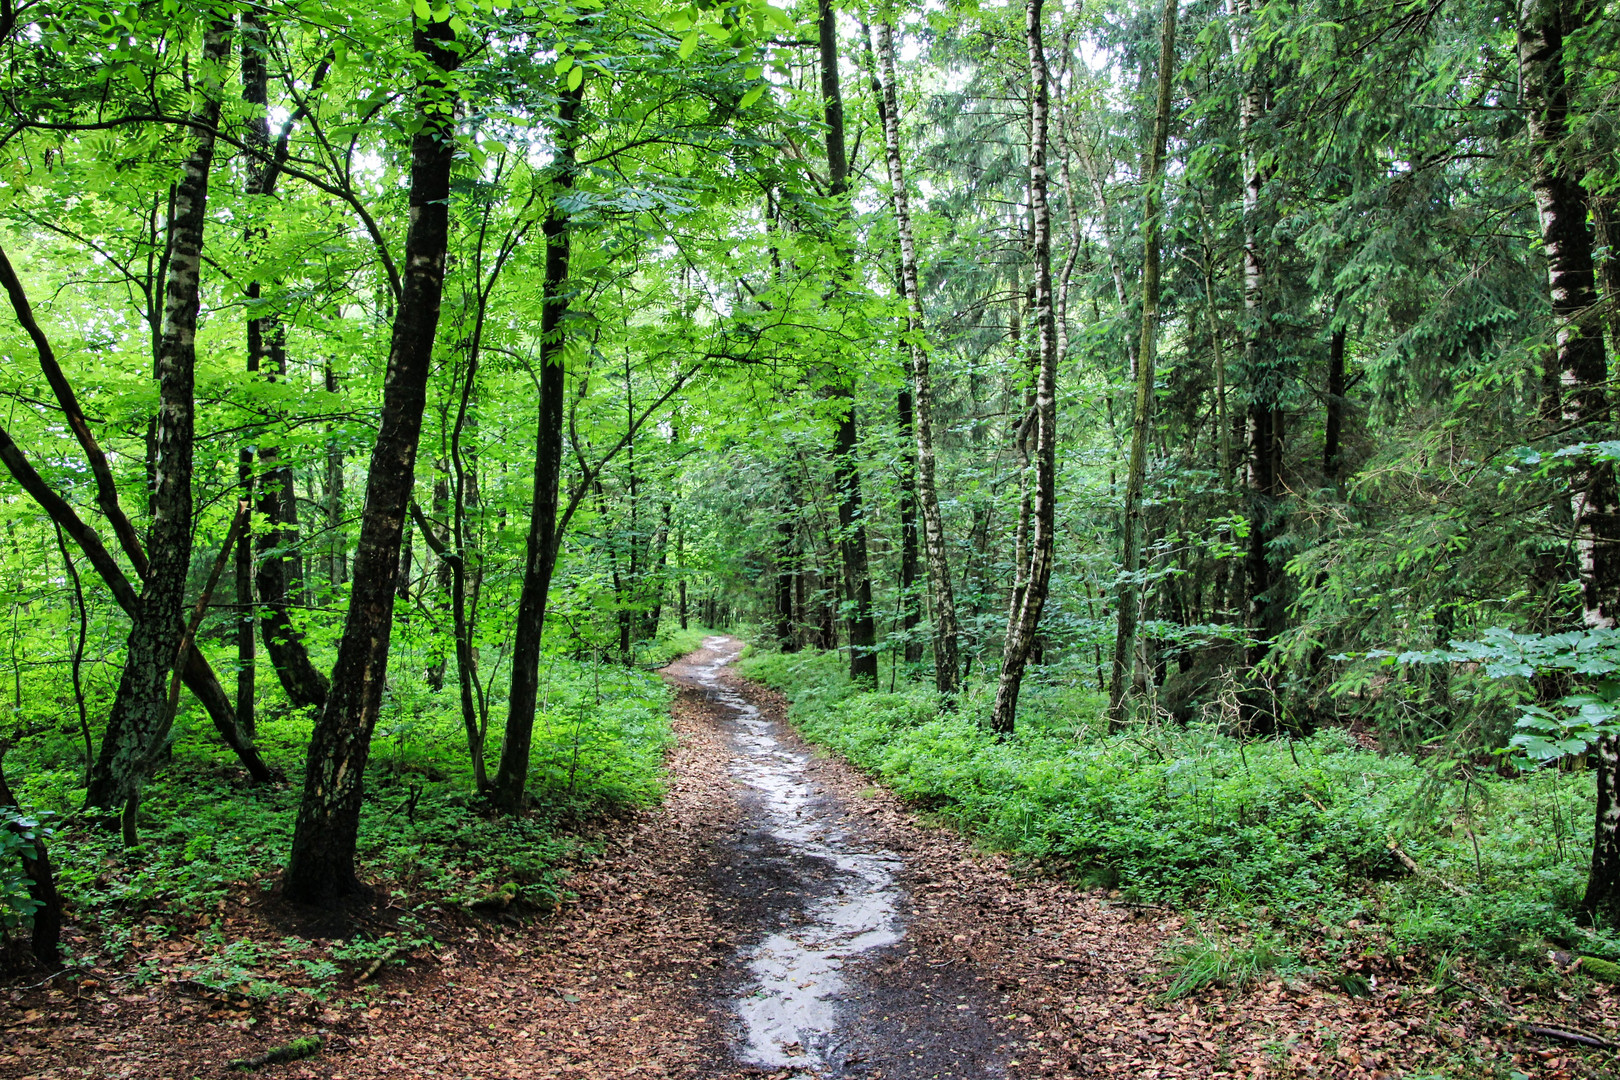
column 825, row 978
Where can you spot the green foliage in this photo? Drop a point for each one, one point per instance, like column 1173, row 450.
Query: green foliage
column 1214, row 959
column 1300, row 828
column 598, row 750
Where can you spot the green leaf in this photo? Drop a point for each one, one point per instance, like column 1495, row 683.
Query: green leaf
column 422, row 9
column 576, row 77
column 688, row 46
column 751, row 97
column 564, row 62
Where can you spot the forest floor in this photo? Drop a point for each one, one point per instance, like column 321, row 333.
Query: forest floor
column 779, row 915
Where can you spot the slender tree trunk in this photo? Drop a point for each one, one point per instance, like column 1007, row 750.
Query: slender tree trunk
column 1265, row 416
column 947, row 664
column 45, row 939
column 540, row 551
column 1125, row 645
column 464, row 610
column 305, row 686
column 1022, row 628
column 1334, row 424
column 321, row 868
column 910, row 598
column 680, row 559
column 136, row 719
column 443, row 584
column 1583, row 373
column 846, row 466
column 785, row 530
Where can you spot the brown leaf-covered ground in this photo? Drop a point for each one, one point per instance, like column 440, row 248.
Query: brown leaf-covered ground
column 634, row 978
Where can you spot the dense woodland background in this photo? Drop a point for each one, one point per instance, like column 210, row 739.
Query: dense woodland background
column 1171, row 440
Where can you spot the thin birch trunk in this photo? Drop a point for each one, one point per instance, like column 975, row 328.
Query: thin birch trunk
column 947, row 664
column 1021, row 629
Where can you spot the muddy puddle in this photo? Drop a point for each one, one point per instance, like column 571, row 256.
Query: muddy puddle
column 848, row 902
column 826, row 981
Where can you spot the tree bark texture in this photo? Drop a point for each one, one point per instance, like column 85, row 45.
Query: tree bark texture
column 846, row 467
column 321, row 867
column 1582, row 365
column 910, row 599
column 136, row 718
column 947, row 663
column 1023, row 626
column 1130, row 589
column 540, row 548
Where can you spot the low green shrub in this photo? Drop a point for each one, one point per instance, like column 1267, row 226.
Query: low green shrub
column 1300, row 828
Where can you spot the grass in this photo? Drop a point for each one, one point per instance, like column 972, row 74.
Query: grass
column 1214, row 959
column 1291, row 832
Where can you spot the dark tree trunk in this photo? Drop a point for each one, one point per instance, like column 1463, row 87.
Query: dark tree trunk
column 137, row 717
column 305, row 686
column 1126, row 680
column 321, row 868
column 846, row 467
column 1335, row 407
column 1022, row 628
column 540, row 551
column 1264, row 415
column 786, row 560
column 45, row 939
column 443, row 585
column 910, row 595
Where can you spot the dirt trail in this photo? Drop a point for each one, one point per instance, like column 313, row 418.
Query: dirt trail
column 817, row 905
column 780, row 916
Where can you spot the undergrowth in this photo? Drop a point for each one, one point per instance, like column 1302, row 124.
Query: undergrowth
column 1296, row 831
column 206, row 831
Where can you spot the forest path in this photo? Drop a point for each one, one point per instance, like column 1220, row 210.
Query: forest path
column 830, row 981
column 776, row 916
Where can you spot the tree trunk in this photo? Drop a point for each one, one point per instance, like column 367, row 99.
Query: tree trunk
column 1265, row 415
column 947, row 664
column 785, row 562
column 910, row 599
column 1125, row 645
column 846, row 467
column 1334, row 425
column 321, row 868
column 1022, row 628
column 305, row 686
column 540, row 551
column 158, row 622
column 1583, row 373
column 45, row 939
